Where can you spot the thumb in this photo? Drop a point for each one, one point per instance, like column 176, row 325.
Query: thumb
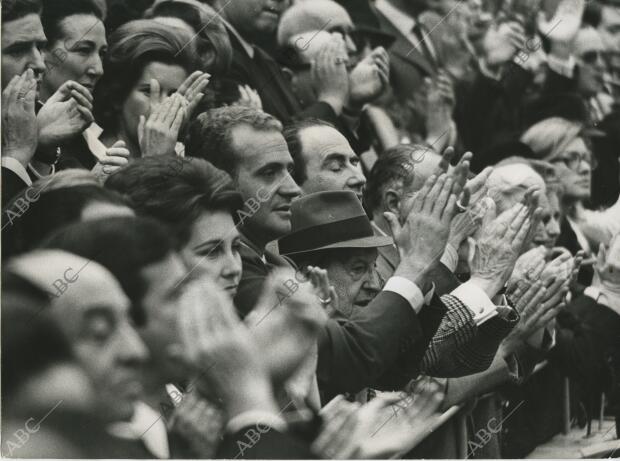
column 63, row 93
column 120, row 143
column 392, row 220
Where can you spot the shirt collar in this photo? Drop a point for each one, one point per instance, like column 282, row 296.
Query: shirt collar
column 401, row 20
column 246, row 46
column 604, row 297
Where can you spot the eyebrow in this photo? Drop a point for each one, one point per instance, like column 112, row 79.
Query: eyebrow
column 208, row 243
column 276, row 165
column 39, row 41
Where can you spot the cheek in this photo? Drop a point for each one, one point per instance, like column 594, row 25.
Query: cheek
column 135, row 105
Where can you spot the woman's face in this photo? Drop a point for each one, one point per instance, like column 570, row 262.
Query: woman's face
column 77, row 54
column 574, row 169
column 213, row 249
column 137, row 103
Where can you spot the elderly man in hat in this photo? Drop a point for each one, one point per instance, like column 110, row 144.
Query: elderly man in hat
column 331, row 230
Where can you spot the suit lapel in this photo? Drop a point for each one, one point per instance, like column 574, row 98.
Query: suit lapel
column 403, row 48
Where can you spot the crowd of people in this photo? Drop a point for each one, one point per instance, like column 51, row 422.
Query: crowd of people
column 307, row 228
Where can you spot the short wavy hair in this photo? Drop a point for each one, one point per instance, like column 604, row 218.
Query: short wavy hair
column 132, row 47
column 209, row 135
column 175, row 191
column 17, row 9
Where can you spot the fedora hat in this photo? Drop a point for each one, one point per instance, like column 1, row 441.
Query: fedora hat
column 326, row 220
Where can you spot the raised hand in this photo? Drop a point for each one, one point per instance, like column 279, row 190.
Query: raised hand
column 159, row 134
column 330, row 77
column 529, row 266
column 325, row 292
column 65, row 114
column 438, row 123
column 192, row 89
column 116, row 158
column 502, row 41
column 285, row 323
column 221, row 350
column 19, row 122
column 369, row 78
column 502, row 241
column 607, row 267
column 468, row 223
column 422, row 238
column 249, row 97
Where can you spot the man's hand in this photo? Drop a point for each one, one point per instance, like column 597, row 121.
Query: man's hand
column 501, row 243
column 468, row 223
column 192, row 89
column 422, row 239
column 369, row 78
column 66, row 113
column 222, row 352
column 438, row 121
column 329, row 71
column 116, row 158
column 565, row 23
column 159, row 134
column 501, row 43
column 19, row 122
column 285, row 323
column 529, row 266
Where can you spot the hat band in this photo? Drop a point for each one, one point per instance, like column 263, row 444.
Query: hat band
column 326, row 234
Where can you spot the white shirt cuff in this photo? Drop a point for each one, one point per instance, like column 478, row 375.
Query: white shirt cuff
column 408, row 290
column 255, row 418
column 476, row 301
column 13, row 164
column 564, row 68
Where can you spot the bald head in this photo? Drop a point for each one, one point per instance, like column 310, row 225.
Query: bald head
column 311, row 16
column 509, row 183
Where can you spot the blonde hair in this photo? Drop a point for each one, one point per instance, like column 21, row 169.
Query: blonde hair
column 550, row 137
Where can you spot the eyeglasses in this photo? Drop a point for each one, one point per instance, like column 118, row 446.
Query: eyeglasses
column 573, row 159
column 592, row 57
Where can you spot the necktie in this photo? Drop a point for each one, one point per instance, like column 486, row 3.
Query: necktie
column 424, row 44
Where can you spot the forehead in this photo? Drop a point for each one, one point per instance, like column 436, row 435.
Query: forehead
column 610, row 15
column 323, row 140
column 168, row 75
column 83, row 27
column 355, row 255
column 214, row 225
column 256, row 148
column 26, row 29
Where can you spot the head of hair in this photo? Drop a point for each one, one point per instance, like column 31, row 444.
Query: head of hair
column 394, row 166
column 121, row 12
column 550, row 137
column 31, row 340
column 210, row 134
column 17, row 9
column 212, row 42
column 293, row 140
column 132, row 47
column 306, row 16
column 47, row 211
column 130, row 244
column 176, row 190
column 54, row 11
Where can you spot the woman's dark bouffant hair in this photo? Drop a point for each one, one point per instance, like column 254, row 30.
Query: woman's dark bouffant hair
column 176, row 191
column 212, row 42
column 132, row 47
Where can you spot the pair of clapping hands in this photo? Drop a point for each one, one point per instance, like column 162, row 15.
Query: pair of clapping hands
column 159, row 132
column 433, row 219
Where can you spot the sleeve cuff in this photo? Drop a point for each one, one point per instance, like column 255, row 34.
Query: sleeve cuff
column 476, row 301
column 13, row 164
column 255, row 418
column 450, row 258
column 410, row 291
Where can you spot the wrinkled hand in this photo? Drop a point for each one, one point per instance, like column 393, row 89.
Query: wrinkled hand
column 19, row 121
column 468, row 223
column 65, row 114
column 330, row 77
column 285, row 323
column 116, row 158
column 438, row 116
column 422, row 238
column 565, row 23
column 221, row 350
column 159, row 134
column 529, row 266
column 502, row 241
column 501, row 42
column 560, row 267
column 324, row 290
column 369, row 78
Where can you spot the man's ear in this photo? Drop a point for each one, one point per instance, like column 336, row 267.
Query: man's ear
column 288, row 73
column 391, row 201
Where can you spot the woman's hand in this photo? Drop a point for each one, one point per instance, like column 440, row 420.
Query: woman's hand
column 116, row 158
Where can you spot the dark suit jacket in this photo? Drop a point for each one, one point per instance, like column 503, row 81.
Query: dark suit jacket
column 353, row 352
column 12, row 185
column 272, row 444
column 568, row 240
column 408, row 65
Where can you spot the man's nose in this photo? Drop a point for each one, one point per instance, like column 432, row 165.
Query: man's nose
column 553, row 228
column 357, row 179
column 289, row 187
column 374, row 281
column 36, row 62
column 132, row 348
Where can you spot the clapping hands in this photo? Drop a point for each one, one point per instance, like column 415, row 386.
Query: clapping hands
column 19, row 122
column 369, row 78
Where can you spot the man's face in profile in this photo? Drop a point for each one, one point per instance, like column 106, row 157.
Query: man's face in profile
column 254, row 18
